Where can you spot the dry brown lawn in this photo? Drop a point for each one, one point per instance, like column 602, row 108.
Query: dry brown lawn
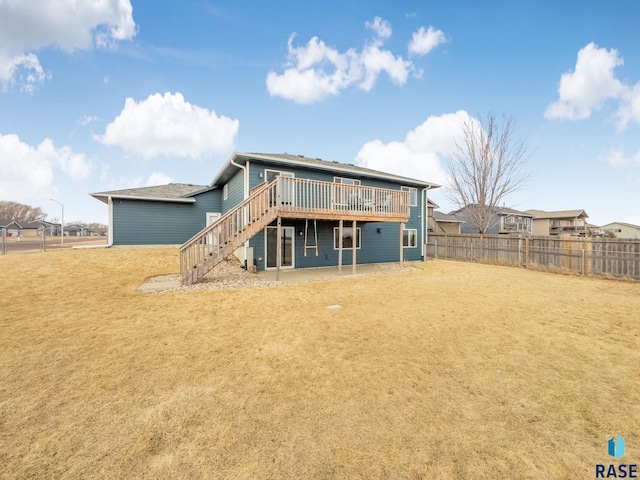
column 456, row 370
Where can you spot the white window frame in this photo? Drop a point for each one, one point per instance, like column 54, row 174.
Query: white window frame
column 287, row 194
column 349, row 181
column 343, row 197
column 225, row 192
column 282, row 173
column 336, row 232
column 413, row 195
column 415, row 236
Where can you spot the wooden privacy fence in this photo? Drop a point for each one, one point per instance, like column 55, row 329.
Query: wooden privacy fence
column 597, row 256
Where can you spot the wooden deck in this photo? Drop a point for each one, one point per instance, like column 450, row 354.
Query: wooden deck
column 287, row 197
column 313, row 199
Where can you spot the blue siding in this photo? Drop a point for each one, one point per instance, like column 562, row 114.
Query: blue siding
column 236, row 192
column 375, row 247
column 140, row 222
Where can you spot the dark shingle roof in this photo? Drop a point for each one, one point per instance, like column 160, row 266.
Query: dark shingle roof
column 499, row 211
column 336, row 167
column 171, row 191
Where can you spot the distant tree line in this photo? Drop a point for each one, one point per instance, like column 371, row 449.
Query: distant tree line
column 20, row 213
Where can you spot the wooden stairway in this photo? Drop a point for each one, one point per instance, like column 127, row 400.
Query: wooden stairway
column 216, row 242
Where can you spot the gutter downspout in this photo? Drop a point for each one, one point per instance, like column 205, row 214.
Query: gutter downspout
column 110, row 237
column 245, row 187
column 425, row 223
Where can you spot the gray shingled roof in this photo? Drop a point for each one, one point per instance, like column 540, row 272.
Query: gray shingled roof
column 334, row 166
column 171, row 191
column 557, row 213
column 500, row 211
column 445, row 217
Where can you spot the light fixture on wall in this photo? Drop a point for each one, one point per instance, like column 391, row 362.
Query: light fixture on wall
column 379, row 230
column 260, row 175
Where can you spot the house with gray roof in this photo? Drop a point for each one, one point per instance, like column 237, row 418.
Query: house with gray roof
column 445, row 224
column 277, row 211
column 560, row 223
column 504, row 221
column 622, row 229
column 11, row 228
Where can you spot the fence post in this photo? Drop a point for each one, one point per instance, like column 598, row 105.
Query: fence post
column 3, row 242
column 520, row 252
column 445, row 247
column 435, row 254
column 471, row 252
column 582, row 251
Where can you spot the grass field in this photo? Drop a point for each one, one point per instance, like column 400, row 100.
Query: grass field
column 456, row 370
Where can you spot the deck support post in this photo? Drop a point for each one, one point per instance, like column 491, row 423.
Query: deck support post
column 278, row 248
column 340, row 246
column 401, row 245
column 354, row 245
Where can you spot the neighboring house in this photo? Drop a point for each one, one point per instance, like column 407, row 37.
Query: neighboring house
column 35, row 228
column 561, row 222
column 441, row 223
column 12, row 228
column 310, row 198
column 446, row 224
column 622, row 230
column 76, row 231
column 505, row 221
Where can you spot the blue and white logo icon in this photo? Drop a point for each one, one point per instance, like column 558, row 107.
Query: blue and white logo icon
column 616, row 447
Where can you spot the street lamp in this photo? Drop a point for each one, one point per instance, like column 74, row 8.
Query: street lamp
column 61, row 220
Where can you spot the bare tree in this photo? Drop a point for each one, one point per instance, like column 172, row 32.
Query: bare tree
column 19, row 212
column 486, row 167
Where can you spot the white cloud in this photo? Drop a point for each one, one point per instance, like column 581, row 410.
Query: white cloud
column 423, row 41
column 618, row 158
column 26, row 26
column 380, row 26
column 316, row 71
column 166, row 125
column 158, row 178
column 87, row 119
column 423, row 151
column 630, row 107
column 589, row 85
column 28, row 172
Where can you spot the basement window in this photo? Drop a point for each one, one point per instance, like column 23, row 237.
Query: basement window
column 410, row 237
column 347, row 237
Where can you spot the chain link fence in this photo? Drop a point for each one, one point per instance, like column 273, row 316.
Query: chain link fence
column 15, row 244
column 618, row 258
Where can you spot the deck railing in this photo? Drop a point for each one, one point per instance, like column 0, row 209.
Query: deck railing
column 214, row 243
column 313, row 198
column 286, row 197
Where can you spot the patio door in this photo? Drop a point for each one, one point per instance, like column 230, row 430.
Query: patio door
column 287, row 244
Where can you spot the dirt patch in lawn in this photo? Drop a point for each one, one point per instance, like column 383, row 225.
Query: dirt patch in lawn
column 454, row 370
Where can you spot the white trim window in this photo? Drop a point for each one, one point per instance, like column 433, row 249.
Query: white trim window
column 225, row 191
column 347, row 181
column 347, row 196
column 287, row 194
column 409, row 238
column 413, row 195
column 347, row 237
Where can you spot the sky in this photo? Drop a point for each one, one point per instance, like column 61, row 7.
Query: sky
column 109, row 94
